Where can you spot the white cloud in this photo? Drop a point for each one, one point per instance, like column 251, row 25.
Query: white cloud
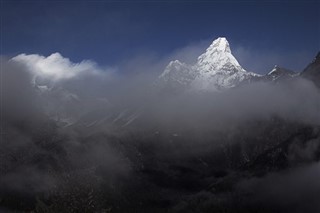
column 55, row 67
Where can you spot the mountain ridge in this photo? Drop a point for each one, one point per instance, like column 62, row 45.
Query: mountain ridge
column 215, row 69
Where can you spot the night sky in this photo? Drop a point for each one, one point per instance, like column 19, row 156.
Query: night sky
column 261, row 33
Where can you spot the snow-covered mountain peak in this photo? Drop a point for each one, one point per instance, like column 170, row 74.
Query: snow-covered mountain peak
column 218, row 57
column 215, row 69
column 221, row 44
column 280, row 73
column 177, row 72
column 275, row 68
column 173, row 65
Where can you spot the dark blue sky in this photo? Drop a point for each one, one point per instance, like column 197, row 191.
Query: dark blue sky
column 261, row 33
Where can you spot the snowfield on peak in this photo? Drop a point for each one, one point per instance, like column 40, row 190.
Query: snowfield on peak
column 218, row 57
column 215, row 69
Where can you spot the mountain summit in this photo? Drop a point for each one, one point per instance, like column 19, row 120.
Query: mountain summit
column 279, row 73
column 218, row 57
column 215, row 69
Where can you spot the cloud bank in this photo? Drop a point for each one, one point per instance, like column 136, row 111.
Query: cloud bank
column 56, row 67
column 92, row 131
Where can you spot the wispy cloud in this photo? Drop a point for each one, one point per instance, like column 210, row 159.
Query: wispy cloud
column 56, row 67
